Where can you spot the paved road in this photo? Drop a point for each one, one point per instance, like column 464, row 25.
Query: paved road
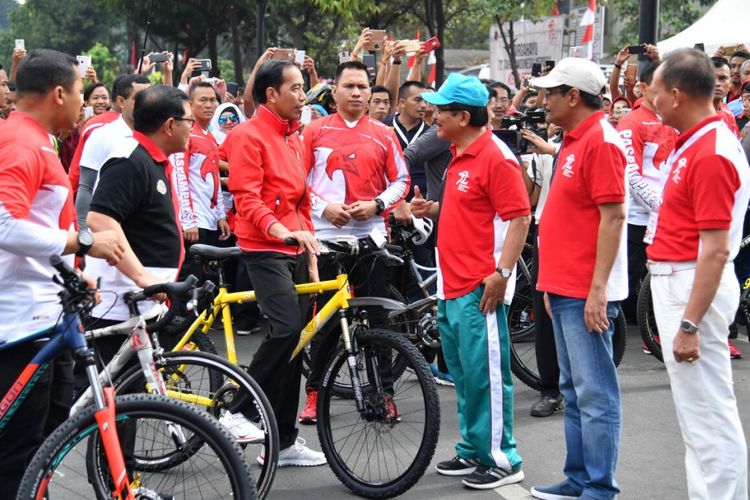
column 651, row 458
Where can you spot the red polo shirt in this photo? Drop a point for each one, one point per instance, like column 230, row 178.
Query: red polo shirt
column 590, row 171
column 728, row 118
column 707, row 188
column 483, row 191
column 74, row 173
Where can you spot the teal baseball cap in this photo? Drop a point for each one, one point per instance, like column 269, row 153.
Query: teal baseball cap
column 459, row 89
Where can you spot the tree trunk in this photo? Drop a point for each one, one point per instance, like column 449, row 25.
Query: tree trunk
column 236, row 51
column 439, row 52
column 509, row 42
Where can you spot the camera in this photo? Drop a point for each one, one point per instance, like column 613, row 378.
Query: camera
column 510, row 131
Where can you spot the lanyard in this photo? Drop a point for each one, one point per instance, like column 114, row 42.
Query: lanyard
column 402, row 135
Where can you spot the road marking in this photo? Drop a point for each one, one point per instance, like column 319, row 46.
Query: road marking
column 513, row 492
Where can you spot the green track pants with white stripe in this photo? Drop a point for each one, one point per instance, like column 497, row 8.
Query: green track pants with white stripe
column 476, row 348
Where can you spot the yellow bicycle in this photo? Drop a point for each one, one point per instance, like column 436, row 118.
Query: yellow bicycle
column 380, row 437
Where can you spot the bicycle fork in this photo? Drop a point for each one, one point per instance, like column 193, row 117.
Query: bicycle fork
column 104, row 399
column 351, row 360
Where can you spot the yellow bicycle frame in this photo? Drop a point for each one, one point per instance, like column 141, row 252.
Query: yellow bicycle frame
column 340, row 300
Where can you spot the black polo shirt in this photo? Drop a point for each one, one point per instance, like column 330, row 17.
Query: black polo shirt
column 136, row 191
column 405, row 138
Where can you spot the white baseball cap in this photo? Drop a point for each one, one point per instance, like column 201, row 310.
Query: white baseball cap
column 575, row 72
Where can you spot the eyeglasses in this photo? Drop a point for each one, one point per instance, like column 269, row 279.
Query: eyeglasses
column 224, row 119
column 503, row 100
column 189, row 120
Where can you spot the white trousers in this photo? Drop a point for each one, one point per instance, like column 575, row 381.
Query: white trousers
column 715, row 448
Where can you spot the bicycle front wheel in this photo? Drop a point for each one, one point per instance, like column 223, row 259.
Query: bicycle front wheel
column 214, row 385
column 647, row 320
column 71, row 463
column 382, row 450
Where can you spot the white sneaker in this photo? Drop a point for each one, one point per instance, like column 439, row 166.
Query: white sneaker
column 298, row 455
column 241, row 429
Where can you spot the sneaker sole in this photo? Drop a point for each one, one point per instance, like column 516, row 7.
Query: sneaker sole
column 445, row 383
column 307, row 421
column 516, row 477
column 462, row 472
column 545, row 414
column 300, row 463
column 549, row 496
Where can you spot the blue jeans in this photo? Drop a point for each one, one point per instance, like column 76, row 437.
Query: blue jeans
column 593, row 412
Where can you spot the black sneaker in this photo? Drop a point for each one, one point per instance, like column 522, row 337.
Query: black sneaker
column 546, row 406
column 457, row 466
column 487, row 478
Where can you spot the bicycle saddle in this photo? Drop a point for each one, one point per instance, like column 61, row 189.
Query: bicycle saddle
column 214, row 253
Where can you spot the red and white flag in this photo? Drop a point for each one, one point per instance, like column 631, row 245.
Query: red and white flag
column 588, row 21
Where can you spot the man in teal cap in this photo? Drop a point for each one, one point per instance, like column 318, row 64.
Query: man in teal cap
column 484, row 218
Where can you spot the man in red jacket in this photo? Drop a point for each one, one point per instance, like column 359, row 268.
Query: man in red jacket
column 272, row 199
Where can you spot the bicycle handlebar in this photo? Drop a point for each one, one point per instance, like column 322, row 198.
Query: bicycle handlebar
column 355, row 246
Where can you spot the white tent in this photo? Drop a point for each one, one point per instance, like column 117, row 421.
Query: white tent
column 726, row 23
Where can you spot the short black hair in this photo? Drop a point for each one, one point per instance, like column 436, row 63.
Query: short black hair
column 380, row 88
column 720, row 62
column 155, row 105
column 403, row 90
column 478, row 115
column 125, row 85
column 647, row 72
column 350, row 65
column 500, row 85
column 740, row 53
column 691, row 71
column 91, row 88
column 202, row 85
column 591, row 101
column 44, row 69
column 270, row 74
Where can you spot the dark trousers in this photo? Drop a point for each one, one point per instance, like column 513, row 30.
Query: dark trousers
column 44, row 409
column 271, row 368
column 546, row 353
column 636, row 269
column 368, row 274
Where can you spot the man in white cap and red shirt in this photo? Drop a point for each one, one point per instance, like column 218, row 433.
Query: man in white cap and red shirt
column 484, row 218
column 583, row 274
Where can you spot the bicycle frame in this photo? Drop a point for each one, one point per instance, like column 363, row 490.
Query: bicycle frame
column 67, row 335
column 339, row 302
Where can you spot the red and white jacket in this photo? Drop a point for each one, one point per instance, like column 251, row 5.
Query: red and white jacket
column 350, row 162
column 36, row 213
column 198, row 185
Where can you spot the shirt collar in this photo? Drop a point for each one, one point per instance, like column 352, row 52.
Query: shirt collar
column 475, row 147
column 153, row 150
column 283, row 127
column 692, row 130
column 584, row 126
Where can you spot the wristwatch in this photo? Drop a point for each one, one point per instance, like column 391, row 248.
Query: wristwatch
column 380, row 204
column 688, row 326
column 505, row 273
column 85, row 242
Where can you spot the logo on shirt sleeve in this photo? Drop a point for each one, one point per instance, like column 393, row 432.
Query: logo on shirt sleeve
column 463, row 181
column 161, row 187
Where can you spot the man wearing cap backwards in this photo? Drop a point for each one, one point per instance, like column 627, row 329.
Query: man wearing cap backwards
column 484, row 218
column 695, row 237
column 584, row 273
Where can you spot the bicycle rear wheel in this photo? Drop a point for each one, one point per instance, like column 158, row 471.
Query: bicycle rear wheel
column 647, row 320
column 214, row 385
column 523, row 350
column 382, row 451
column 71, row 463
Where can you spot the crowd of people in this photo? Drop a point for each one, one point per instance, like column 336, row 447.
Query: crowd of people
column 652, row 172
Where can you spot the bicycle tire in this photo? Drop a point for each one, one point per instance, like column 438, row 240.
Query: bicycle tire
column 523, row 351
column 647, row 321
column 200, row 342
column 415, row 399
column 190, row 368
column 50, row 470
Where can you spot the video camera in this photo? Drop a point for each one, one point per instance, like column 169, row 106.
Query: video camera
column 510, row 131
